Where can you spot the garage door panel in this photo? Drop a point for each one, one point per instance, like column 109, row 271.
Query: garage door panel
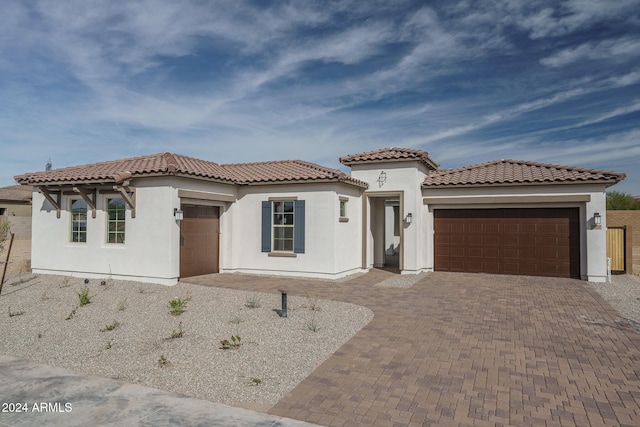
column 511, row 241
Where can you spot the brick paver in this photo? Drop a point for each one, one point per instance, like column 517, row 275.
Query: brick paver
column 468, row 350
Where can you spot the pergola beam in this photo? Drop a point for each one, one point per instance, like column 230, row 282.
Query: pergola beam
column 91, row 201
column 48, row 195
column 129, row 196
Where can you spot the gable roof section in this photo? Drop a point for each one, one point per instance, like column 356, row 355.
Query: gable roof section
column 519, row 172
column 116, row 171
column 388, row 155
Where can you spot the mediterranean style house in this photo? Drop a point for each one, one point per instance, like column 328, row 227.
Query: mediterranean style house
column 163, row 217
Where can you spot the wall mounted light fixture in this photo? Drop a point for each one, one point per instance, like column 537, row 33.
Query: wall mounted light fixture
column 178, row 214
column 597, row 219
column 408, row 218
column 382, row 178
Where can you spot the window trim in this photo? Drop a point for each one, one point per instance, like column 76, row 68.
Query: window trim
column 267, row 226
column 282, row 226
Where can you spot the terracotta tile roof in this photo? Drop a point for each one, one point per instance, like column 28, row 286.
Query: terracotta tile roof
column 287, row 171
column 175, row 164
column 16, row 193
column 119, row 170
column 516, row 172
column 390, row 154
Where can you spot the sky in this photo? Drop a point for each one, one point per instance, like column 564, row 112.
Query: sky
column 243, row 81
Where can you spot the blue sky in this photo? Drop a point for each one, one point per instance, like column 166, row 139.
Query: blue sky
column 237, row 81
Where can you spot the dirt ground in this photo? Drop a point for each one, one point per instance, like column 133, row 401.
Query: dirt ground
column 19, row 259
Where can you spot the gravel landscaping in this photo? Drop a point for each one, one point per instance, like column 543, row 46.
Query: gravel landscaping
column 127, row 332
column 623, row 293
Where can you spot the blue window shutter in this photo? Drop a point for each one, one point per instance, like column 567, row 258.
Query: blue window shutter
column 298, row 226
column 266, row 226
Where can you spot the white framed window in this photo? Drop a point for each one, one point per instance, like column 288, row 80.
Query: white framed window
column 78, row 226
column 116, row 212
column 343, row 209
column 283, row 225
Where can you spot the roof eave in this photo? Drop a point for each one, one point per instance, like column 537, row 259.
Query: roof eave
column 307, row 181
column 608, row 183
column 433, row 165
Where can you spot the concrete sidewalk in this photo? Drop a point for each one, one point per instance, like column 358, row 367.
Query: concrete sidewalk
column 54, row 396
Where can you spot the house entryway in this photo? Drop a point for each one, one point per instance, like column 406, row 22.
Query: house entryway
column 383, row 241
column 199, row 240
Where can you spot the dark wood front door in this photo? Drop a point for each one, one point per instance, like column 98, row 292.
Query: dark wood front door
column 199, row 240
column 534, row 242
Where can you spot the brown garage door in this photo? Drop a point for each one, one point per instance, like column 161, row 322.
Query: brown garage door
column 199, row 237
column 534, row 242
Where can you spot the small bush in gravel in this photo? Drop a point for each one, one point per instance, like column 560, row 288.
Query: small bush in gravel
column 15, row 313
column 234, row 343
column 177, row 306
column 111, row 326
column 313, row 326
column 109, row 344
column 122, row 304
column 237, row 319
column 39, row 335
column 84, row 296
column 73, row 313
column 177, row 334
column 253, row 301
column 256, row 381
column 162, row 361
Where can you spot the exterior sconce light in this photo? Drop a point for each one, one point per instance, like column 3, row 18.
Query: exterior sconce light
column 597, row 219
column 178, row 214
column 382, row 178
column 408, row 218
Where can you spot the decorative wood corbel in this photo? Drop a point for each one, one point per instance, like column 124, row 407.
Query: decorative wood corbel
column 129, row 196
column 91, row 201
column 48, row 195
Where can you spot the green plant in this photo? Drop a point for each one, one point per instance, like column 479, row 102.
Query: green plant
column 177, row 306
column 111, row 326
column 39, row 335
column 256, row 381
column 84, row 296
column 73, row 313
column 122, row 304
column 313, row 302
column 312, row 325
column 234, row 343
column 253, row 301
column 109, row 344
column 237, row 319
column 177, row 334
column 162, row 361
column 15, row 313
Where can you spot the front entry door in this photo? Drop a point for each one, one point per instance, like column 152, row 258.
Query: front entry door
column 199, row 240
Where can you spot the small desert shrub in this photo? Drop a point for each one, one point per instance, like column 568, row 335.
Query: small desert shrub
column 84, row 296
column 111, row 326
column 109, row 344
column 234, row 343
column 122, row 304
column 177, row 306
column 177, row 334
column 256, row 381
column 15, row 313
column 162, row 361
column 312, row 325
column 253, row 301
column 73, row 313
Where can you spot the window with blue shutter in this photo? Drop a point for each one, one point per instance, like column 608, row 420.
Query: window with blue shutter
column 283, row 226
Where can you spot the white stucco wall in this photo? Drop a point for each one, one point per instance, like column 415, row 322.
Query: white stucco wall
column 592, row 240
column 332, row 248
column 145, row 256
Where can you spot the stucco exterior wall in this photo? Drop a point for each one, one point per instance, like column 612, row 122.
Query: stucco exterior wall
column 593, row 243
column 630, row 219
column 145, row 256
column 331, row 247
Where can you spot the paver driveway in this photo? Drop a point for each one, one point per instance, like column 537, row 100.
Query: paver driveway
column 469, row 349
